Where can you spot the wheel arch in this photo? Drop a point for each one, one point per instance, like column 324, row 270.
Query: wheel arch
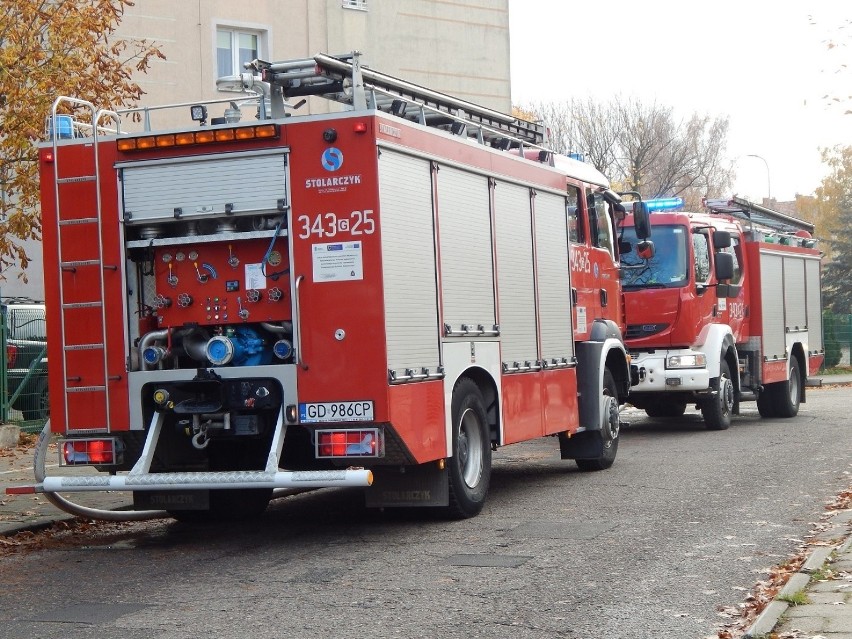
column 488, row 387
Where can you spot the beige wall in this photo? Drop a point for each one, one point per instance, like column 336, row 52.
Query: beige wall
column 459, row 47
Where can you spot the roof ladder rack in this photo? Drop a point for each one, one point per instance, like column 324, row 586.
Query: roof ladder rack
column 755, row 214
column 343, row 79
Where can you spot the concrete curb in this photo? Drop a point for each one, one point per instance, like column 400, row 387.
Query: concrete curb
column 771, row 615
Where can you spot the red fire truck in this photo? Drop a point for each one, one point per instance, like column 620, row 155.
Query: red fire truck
column 376, row 297
column 728, row 309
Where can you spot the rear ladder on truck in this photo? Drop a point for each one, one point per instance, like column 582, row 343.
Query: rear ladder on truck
column 83, row 316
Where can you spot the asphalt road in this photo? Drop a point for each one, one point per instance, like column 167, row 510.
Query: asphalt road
column 686, row 521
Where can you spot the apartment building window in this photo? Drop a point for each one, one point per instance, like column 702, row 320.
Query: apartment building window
column 234, row 47
column 355, row 4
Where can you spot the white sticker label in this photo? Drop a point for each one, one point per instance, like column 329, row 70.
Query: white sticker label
column 338, row 262
column 581, row 319
column 254, row 277
column 723, row 304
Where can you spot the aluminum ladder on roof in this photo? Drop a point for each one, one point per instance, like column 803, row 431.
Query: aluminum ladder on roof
column 75, row 188
column 752, row 213
column 343, row 79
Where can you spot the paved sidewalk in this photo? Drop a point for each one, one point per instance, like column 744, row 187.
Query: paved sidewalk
column 816, row 602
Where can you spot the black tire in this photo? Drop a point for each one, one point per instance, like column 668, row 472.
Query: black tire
column 37, row 405
column 609, row 430
column 662, row 409
column 766, row 403
column 788, row 395
column 469, row 467
column 717, row 410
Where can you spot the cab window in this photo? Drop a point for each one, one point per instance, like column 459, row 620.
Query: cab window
column 701, row 255
column 735, row 249
column 600, row 224
column 575, row 222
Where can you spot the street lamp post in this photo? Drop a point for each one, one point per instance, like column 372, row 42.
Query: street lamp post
column 768, row 184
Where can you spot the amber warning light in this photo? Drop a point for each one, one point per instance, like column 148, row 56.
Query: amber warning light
column 202, row 136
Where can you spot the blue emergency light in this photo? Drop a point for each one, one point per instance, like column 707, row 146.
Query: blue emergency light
column 664, row 204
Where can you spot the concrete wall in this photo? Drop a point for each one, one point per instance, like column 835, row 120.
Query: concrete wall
column 11, row 285
column 461, row 47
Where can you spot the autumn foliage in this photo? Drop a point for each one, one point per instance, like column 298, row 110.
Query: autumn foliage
column 50, row 48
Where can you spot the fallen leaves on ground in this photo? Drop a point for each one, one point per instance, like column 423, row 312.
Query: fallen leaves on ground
column 64, row 534
column 743, row 615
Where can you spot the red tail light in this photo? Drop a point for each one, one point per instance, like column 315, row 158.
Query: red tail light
column 11, row 355
column 77, row 452
column 362, row 442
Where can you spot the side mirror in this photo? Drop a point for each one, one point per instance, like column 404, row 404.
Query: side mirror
column 721, row 240
column 624, row 247
column 645, row 249
column 641, row 220
column 724, row 266
column 728, row 290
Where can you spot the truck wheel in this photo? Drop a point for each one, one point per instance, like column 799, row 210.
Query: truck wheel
column 37, row 406
column 787, row 395
column 470, row 465
column 766, row 403
column 717, row 410
column 666, row 409
column 609, row 430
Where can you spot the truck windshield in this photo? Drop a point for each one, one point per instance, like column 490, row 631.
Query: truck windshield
column 668, row 267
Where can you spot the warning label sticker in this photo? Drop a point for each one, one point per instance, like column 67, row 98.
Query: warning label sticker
column 338, row 262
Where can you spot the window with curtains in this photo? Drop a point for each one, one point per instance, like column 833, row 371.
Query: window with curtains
column 235, row 47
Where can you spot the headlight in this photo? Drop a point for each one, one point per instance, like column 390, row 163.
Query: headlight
column 698, row 360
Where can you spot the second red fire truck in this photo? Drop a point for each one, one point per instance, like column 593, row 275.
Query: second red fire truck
column 377, row 297
column 727, row 309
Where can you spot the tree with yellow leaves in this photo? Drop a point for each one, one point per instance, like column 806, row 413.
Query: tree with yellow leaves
column 50, row 48
column 834, row 197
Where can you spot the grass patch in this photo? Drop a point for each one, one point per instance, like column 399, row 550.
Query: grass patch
column 823, row 573
column 798, row 598
column 836, row 370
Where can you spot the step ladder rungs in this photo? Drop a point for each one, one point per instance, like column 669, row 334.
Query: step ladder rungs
column 79, row 220
column 84, row 347
column 83, row 305
column 79, row 178
column 85, row 389
column 79, row 263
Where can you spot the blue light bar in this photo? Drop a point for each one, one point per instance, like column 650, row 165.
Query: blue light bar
column 665, row 204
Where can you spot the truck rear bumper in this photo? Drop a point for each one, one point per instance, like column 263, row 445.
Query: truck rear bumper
column 656, row 378
column 140, row 477
column 201, row 481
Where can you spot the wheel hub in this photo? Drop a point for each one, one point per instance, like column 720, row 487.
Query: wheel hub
column 726, row 394
column 612, row 421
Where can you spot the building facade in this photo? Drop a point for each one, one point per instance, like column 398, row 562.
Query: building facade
column 459, row 47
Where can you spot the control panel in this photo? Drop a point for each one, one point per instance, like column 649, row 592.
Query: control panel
column 216, row 283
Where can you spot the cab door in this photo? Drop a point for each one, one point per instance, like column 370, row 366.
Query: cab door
column 604, row 289
column 733, row 308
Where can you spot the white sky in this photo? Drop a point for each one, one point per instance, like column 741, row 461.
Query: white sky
column 760, row 62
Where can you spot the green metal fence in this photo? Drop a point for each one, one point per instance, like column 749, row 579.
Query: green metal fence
column 838, row 339
column 24, row 398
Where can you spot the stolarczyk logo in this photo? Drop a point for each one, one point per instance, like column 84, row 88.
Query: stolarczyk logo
column 332, row 159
